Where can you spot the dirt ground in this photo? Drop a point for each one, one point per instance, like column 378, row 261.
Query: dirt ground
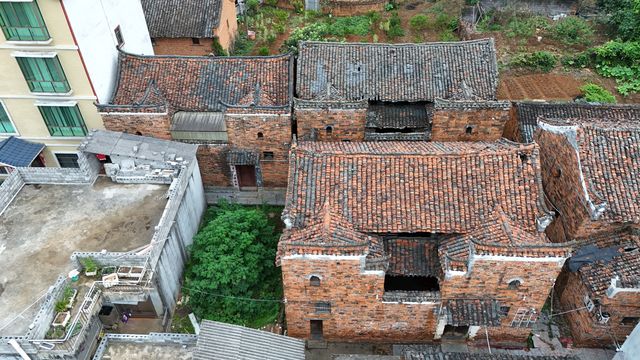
column 45, row 224
column 538, row 86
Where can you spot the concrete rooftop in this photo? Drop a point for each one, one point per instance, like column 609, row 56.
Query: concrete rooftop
column 45, row 224
column 134, row 351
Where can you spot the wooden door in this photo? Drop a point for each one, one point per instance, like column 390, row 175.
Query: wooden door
column 246, row 176
column 316, row 330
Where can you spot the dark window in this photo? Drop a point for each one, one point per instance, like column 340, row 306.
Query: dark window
column 267, row 155
column 119, row 36
column 260, row 135
column 524, row 157
column 195, row 41
column 455, row 332
column 314, row 281
column 323, row 307
column 411, row 283
column 504, row 310
column 153, row 41
column 68, row 160
column 22, row 21
column 468, row 130
column 329, row 130
column 629, row 320
column 138, row 133
column 514, row 284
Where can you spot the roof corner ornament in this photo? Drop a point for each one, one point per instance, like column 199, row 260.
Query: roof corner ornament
column 287, row 219
column 597, row 210
column 613, row 287
column 543, row 221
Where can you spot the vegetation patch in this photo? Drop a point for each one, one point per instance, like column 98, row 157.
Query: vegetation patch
column 595, row 93
column 540, row 60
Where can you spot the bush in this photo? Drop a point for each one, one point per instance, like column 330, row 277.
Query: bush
column 217, row 48
column 572, row 31
column 580, row 60
column 263, row 51
column 394, row 28
column 525, row 27
column 232, row 260
column 448, row 36
column 313, row 32
column 540, row 60
column 623, row 17
column 271, row 2
column 252, row 6
column 621, row 61
column 351, row 25
column 595, row 93
column 390, row 6
column 419, row 22
column 446, row 22
column 242, row 45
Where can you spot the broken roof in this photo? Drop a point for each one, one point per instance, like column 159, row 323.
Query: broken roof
column 475, row 312
column 413, row 257
column 396, row 72
column 608, row 154
column 182, row 18
column 409, row 187
column 529, row 112
column 202, row 83
column 16, row 152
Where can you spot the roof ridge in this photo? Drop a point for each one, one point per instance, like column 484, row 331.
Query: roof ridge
column 464, row 42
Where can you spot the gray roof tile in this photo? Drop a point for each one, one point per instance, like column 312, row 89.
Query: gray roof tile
column 16, row 152
column 182, row 18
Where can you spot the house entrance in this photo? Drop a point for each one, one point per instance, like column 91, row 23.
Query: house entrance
column 246, row 177
column 455, row 332
column 316, row 330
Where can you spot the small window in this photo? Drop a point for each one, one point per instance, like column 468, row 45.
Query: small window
column 119, row 36
column 195, row 41
column 68, row 160
column 328, row 130
column 323, row 307
column 138, row 133
column 314, row 281
column 504, row 310
column 630, row 320
column 260, row 136
column 153, row 41
column 267, row 155
column 514, row 284
column 557, row 172
column 524, row 157
column 468, row 130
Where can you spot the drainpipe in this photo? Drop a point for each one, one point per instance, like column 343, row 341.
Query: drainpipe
column 19, row 349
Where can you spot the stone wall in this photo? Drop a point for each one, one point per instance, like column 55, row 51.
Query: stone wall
column 154, row 125
column 357, row 310
column 346, row 124
column 585, row 329
column 469, row 120
column 9, row 188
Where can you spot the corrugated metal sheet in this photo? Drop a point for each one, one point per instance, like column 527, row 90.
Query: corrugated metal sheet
column 219, row 341
column 198, row 121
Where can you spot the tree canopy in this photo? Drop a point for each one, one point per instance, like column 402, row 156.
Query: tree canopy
column 232, row 259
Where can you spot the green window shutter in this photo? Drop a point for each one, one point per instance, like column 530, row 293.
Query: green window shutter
column 44, row 74
column 63, row 120
column 5, row 123
column 22, row 21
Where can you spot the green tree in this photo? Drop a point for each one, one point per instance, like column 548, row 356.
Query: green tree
column 624, row 17
column 232, row 259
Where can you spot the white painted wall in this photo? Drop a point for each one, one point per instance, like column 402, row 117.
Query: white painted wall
column 631, row 347
column 93, row 23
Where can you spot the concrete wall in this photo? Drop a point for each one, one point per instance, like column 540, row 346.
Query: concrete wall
column 94, row 22
column 631, row 347
column 162, row 339
column 85, row 174
column 9, row 189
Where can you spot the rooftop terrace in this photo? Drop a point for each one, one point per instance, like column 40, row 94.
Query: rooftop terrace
column 45, row 224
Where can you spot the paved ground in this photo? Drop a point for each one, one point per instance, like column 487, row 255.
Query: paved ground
column 132, row 351
column 45, row 224
column 139, row 326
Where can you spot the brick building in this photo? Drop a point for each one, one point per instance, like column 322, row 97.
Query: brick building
column 237, row 109
column 437, row 91
column 416, row 241
column 590, row 174
column 524, row 121
column 179, row 27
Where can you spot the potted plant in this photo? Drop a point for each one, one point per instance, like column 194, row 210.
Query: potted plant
column 70, row 296
column 61, row 319
column 90, row 266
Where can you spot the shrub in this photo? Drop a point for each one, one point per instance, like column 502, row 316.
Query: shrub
column 419, row 22
column 448, row 36
column 446, row 22
column 252, row 6
column 595, row 93
column 390, row 6
column 572, row 31
column 263, row 51
column 217, row 48
column 231, row 261
column 242, row 45
column 298, row 6
column 540, row 60
column 394, row 28
column 271, row 2
column 580, row 60
column 312, row 32
column 623, row 17
column 621, row 61
column 351, row 25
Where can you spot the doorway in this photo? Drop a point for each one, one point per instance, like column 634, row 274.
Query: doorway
column 316, row 330
column 455, row 332
column 246, row 177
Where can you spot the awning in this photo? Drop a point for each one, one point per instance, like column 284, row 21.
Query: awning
column 204, row 126
column 16, row 152
column 472, row 312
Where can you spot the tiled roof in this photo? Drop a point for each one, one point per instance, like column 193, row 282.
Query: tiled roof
column 609, row 156
column 413, row 116
column 220, row 341
column 182, row 18
column 193, row 83
column 409, row 187
column 16, row 152
column 413, row 257
column 328, row 234
column 397, row 72
column 473, row 312
column 597, row 274
column 529, row 112
column 428, row 352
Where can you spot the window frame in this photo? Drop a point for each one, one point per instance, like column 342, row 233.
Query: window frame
column 56, row 153
column 3, row 109
column 50, row 63
column 44, row 35
column 119, row 37
column 82, row 126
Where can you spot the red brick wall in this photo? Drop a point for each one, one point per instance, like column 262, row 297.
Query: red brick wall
column 340, row 8
column 347, row 124
column 214, row 169
column 357, row 310
column 511, row 129
column 585, row 329
column 182, row 46
column 147, row 125
column 451, row 124
column 243, row 130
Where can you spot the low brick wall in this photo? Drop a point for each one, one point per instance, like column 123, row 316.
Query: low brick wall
column 9, row 189
column 85, row 174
